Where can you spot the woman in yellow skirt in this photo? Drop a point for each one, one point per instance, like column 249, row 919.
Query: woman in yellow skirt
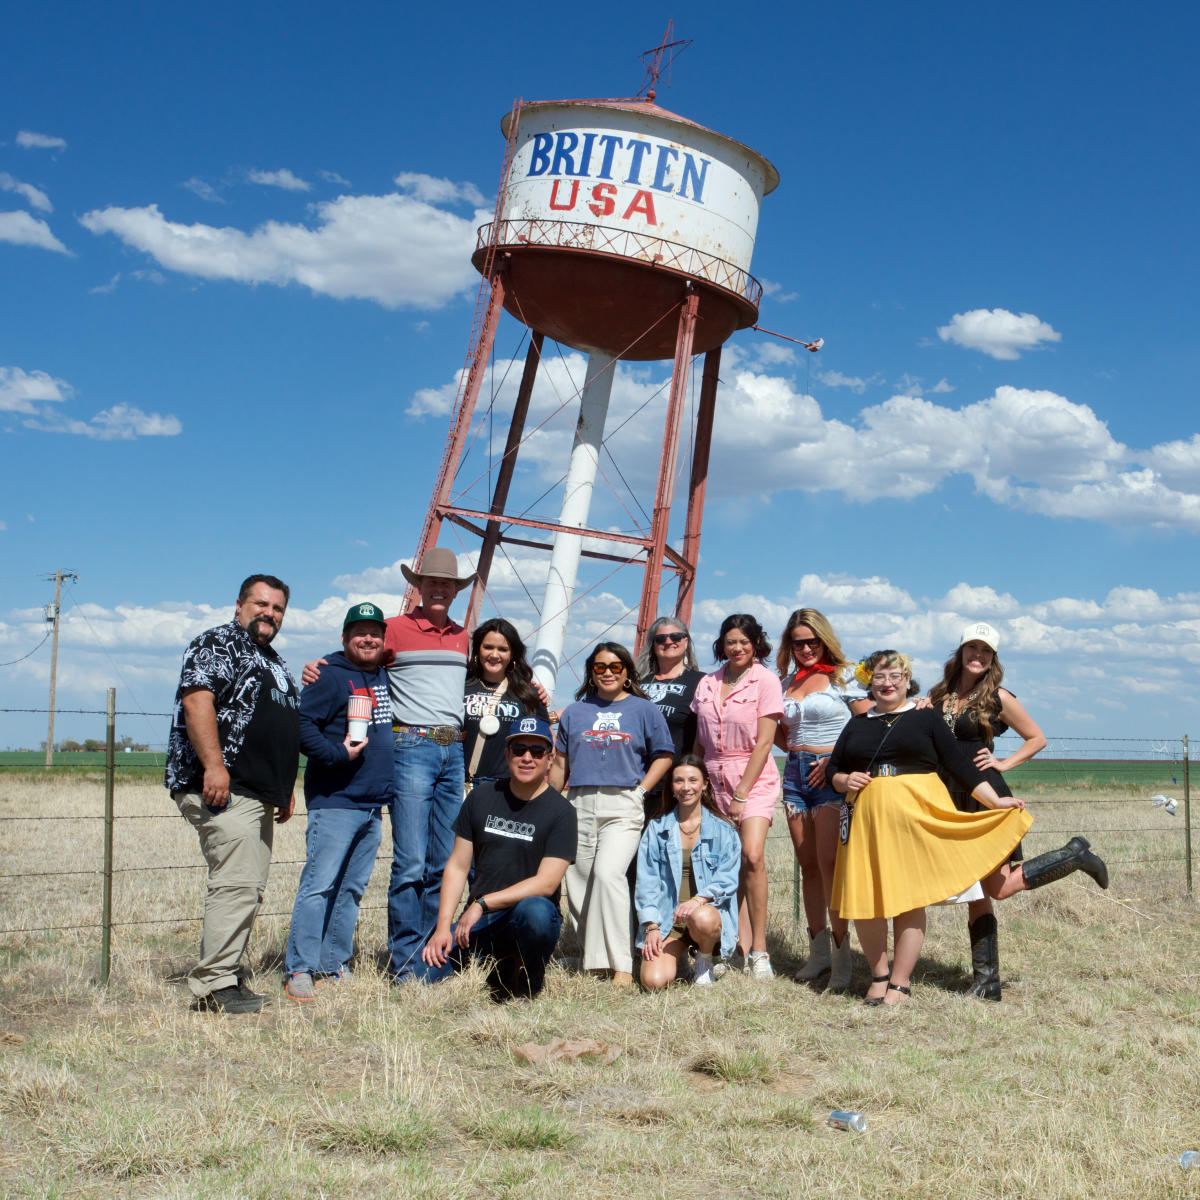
column 904, row 845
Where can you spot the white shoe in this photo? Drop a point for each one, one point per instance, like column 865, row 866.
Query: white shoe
column 839, row 965
column 758, row 964
column 702, row 975
column 818, row 958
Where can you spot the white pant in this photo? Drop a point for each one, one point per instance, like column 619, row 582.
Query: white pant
column 610, row 827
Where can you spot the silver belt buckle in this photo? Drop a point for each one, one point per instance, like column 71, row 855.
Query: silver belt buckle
column 885, row 769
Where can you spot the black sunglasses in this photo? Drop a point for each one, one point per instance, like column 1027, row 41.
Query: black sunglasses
column 520, row 749
column 661, row 639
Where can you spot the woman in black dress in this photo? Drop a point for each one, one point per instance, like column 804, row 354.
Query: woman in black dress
column 977, row 710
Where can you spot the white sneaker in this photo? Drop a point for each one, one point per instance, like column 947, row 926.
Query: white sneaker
column 758, row 964
column 703, row 972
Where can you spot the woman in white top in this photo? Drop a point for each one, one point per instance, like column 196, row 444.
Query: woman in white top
column 816, row 705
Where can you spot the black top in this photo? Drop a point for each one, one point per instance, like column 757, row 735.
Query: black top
column 914, row 742
column 510, row 837
column 477, row 701
column 258, row 715
column 970, row 738
column 674, row 700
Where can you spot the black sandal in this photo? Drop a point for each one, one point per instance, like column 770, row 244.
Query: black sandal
column 896, row 987
column 876, row 1001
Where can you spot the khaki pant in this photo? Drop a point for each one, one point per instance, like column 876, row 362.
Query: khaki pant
column 610, row 827
column 236, row 844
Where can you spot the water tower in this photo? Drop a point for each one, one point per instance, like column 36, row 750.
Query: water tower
column 623, row 231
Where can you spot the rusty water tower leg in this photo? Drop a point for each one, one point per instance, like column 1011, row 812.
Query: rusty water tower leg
column 577, row 499
column 516, row 431
column 661, row 517
column 452, row 455
column 699, row 481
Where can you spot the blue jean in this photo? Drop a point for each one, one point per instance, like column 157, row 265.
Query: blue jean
column 429, row 793
column 520, row 940
column 799, row 796
column 340, row 849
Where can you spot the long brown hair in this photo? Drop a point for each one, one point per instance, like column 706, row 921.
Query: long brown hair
column 831, row 651
column 707, row 799
column 986, row 705
column 518, row 672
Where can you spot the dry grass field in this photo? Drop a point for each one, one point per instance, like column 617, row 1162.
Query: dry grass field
column 1081, row 1083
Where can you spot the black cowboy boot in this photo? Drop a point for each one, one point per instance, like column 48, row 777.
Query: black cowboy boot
column 985, row 958
column 1076, row 855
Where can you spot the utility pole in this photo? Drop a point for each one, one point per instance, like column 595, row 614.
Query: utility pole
column 52, row 615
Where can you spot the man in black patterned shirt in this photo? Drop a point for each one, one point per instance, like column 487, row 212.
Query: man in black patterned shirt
column 231, row 769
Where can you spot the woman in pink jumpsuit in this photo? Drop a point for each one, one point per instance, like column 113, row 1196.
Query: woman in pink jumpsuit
column 737, row 710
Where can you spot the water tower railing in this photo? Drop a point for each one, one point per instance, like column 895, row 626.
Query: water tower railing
column 625, row 244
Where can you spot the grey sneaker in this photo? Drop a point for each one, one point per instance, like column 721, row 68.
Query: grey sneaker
column 758, row 964
column 720, row 969
column 334, row 977
column 226, row 1000
column 300, row 986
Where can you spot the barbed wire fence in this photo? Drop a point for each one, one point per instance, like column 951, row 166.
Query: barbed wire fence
column 1096, row 773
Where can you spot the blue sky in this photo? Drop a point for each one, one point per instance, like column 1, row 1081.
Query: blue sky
column 236, row 293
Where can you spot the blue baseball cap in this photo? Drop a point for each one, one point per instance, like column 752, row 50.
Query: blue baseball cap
column 530, row 727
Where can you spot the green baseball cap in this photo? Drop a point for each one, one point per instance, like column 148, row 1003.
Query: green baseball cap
column 364, row 612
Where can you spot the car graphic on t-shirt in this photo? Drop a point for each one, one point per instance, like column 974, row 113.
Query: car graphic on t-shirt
column 606, row 730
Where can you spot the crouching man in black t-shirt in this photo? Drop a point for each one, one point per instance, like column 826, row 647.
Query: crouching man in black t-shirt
column 520, row 833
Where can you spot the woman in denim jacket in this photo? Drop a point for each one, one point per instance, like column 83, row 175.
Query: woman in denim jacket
column 687, row 880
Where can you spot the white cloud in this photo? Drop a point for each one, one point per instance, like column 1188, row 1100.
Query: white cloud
column 439, row 191
column 998, row 332
column 39, row 141
column 3, row 526
column 122, row 422
column 205, row 191
column 23, row 230
column 855, row 383
column 21, row 391
column 334, row 177
column 1032, row 450
column 393, row 249
column 104, row 289
column 34, row 197
column 942, row 386
column 280, row 179
column 774, row 291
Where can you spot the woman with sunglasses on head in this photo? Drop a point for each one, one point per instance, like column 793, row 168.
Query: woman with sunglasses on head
column 688, row 865
column 500, row 689
column 668, row 672
column 817, row 703
column 904, row 844
column 613, row 746
column 737, row 711
column 977, row 710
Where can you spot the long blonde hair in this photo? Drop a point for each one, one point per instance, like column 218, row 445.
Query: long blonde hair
column 832, row 654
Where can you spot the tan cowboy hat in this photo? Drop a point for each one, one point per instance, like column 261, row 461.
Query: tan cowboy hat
column 437, row 563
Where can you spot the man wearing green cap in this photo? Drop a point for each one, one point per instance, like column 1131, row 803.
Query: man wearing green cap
column 347, row 782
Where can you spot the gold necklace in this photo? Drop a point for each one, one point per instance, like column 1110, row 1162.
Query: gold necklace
column 953, row 706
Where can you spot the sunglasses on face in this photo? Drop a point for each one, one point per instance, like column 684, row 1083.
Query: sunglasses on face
column 520, row 749
column 661, row 639
column 807, row 643
column 608, row 669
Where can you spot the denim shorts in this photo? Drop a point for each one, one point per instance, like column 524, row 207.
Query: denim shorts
column 798, row 797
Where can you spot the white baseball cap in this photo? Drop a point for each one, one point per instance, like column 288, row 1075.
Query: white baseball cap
column 980, row 631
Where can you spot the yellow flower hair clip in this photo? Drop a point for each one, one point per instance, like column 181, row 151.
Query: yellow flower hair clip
column 862, row 674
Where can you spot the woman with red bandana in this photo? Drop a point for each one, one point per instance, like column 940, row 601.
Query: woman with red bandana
column 816, row 705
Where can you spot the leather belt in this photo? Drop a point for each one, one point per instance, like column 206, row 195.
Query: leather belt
column 881, row 769
column 443, row 735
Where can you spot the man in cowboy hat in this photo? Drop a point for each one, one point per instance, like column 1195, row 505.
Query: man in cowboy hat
column 426, row 681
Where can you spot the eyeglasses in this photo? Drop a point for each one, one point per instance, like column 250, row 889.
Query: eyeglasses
column 807, row 643
column 661, row 639
column 608, row 668
column 888, row 677
column 520, row 749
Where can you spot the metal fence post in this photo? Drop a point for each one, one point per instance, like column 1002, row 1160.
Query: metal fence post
column 1187, row 815
column 110, row 771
